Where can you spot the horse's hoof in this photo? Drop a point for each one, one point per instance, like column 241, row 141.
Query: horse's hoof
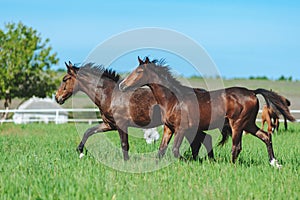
column 81, row 155
column 160, row 155
column 275, row 163
column 182, row 158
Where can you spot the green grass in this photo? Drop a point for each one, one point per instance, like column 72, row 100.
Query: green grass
column 39, row 162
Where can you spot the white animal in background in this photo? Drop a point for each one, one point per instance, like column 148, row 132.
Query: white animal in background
column 151, row 135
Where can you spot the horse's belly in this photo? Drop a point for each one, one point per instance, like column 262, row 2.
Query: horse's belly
column 211, row 119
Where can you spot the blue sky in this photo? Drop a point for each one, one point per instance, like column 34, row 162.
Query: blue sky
column 243, row 39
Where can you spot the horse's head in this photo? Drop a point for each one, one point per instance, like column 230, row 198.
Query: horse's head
column 68, row 85
column 138, row 78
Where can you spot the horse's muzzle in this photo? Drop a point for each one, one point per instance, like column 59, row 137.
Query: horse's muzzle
column 123, row 86
column 59, row 100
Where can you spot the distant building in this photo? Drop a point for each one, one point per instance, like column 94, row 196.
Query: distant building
column 45, row 105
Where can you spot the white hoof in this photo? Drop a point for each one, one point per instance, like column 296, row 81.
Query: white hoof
column 275, row 163
column 81, row 155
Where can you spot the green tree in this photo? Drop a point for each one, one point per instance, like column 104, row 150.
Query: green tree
column 25, row 61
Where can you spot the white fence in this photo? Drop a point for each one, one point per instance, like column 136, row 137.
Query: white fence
column 295, row 113
column 57, row 114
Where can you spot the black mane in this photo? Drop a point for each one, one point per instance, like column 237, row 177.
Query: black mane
column 162, row 69
column 98, row 71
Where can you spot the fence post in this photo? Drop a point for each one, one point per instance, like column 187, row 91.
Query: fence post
column 56, row 116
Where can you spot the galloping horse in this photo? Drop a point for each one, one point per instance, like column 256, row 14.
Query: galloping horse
column 182, row 114
column 271, row 113
column 119, row 110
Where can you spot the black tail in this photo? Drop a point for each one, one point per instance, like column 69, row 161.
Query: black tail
column 226, row 132
column 276, row 101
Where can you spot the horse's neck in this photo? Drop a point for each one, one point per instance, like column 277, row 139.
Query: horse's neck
column 99, row 91
column 172, row 85
column 163, row 95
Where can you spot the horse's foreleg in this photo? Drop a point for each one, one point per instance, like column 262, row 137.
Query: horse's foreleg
column 197, row 140
column 165, row 141
column 276, row 123
column 102, row 127
column 263, row 120
column 285, row 123
column 208, row 145
column 177, row 142
column 124, row 143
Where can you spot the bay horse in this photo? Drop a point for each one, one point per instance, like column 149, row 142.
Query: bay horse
column 267, row 115
column 182, row 114
column 271, row 113
column 118, row 110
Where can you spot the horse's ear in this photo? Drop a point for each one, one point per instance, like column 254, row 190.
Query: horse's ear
column 141, row 62
column 70, row 68
column 147, row 60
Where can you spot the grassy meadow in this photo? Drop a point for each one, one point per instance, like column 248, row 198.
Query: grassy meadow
column 39, row 161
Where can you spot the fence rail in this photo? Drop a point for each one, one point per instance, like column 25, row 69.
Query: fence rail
column 57, row 112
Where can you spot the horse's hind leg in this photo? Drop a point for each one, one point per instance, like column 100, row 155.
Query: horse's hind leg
column 267, row 139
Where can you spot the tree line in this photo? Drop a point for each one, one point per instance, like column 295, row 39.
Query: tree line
column 25, row 64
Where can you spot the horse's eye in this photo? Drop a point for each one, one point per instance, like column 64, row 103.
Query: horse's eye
column 65, row 79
